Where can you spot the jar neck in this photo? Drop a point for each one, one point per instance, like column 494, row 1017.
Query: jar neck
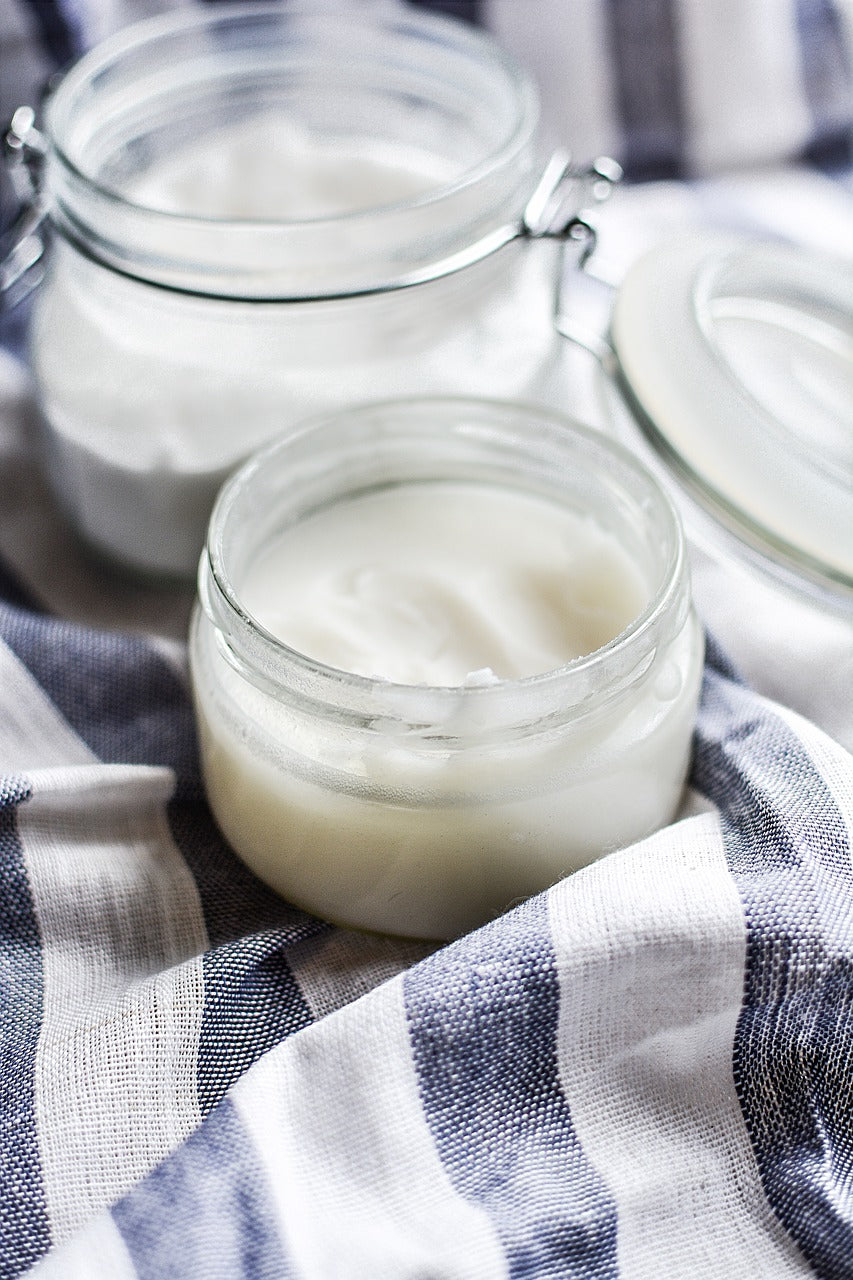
column 513, row 446
column 405, row 80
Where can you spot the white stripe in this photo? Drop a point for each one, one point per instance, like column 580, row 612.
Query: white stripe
column 791, row 651
column 650, row 947
column 122, row 936
column 742, row 80
column 812, row 210
column 336, row 1118
column 98, row 1251
column 174, row 654
column 33, row 734
column 336, row 968
column 565, row 49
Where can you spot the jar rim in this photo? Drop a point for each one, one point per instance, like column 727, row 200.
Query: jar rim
column 787, row 279
column 256, row 652
column 162, row 26
column 760, row 485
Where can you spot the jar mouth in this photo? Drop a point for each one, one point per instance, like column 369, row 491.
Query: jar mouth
column 170, row 80
column 162, row 27
column 513, row 444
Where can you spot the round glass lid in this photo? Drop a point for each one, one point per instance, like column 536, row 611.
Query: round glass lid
column 737, row 359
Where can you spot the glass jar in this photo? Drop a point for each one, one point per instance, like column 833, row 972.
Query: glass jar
column 425, row 811
column 727, row 366
column 168, row 345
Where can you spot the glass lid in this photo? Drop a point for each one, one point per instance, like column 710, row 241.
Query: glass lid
column 736, row 357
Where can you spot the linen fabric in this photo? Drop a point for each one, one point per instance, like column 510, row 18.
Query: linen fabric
column 644, row 1072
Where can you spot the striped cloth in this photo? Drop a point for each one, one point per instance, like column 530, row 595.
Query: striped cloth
column 645, row 1072
column 669, row 87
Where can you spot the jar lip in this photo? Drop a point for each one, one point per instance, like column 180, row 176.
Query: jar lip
column 430, row 25
column 628, row 647
column 787, row 274
column 762, row 484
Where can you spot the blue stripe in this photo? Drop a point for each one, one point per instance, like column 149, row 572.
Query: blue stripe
column 719, row 661
column 206, row 1211
column 114, row 690
column 483, row 1026
column 15, row 323
column 252, row 1001
column 24, row 1232
column 828, row 81
column 58, row 29
column 793, row 1059
column 646, row 59
column 13, row 591
column 466, row 10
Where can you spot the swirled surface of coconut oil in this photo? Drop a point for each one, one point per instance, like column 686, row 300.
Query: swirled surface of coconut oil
column 444, row 584
column 269, row 166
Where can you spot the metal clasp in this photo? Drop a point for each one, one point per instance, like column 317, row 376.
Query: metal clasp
column 562, row 193
column 556, row 210
column 22, row 248
column 553, row 212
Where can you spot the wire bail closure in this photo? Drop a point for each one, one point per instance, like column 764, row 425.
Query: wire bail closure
column 553, row 212
column 21, row 264
column 562, row 193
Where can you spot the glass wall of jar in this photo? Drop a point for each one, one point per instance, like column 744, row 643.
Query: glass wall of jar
column 233, row 191
column 422, row 810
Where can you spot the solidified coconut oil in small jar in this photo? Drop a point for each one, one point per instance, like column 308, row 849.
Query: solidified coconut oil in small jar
column 444, row 655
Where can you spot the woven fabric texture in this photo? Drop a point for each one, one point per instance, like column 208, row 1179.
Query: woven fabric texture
column 644, row 1072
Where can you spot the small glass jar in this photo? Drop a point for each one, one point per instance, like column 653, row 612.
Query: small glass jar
column 426, row 811
column 167, row 346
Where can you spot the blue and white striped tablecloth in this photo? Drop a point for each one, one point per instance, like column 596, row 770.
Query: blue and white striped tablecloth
column 646, row 1072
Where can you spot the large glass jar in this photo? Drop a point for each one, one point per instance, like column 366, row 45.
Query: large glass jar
column 168, row 344
column 422, row 810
